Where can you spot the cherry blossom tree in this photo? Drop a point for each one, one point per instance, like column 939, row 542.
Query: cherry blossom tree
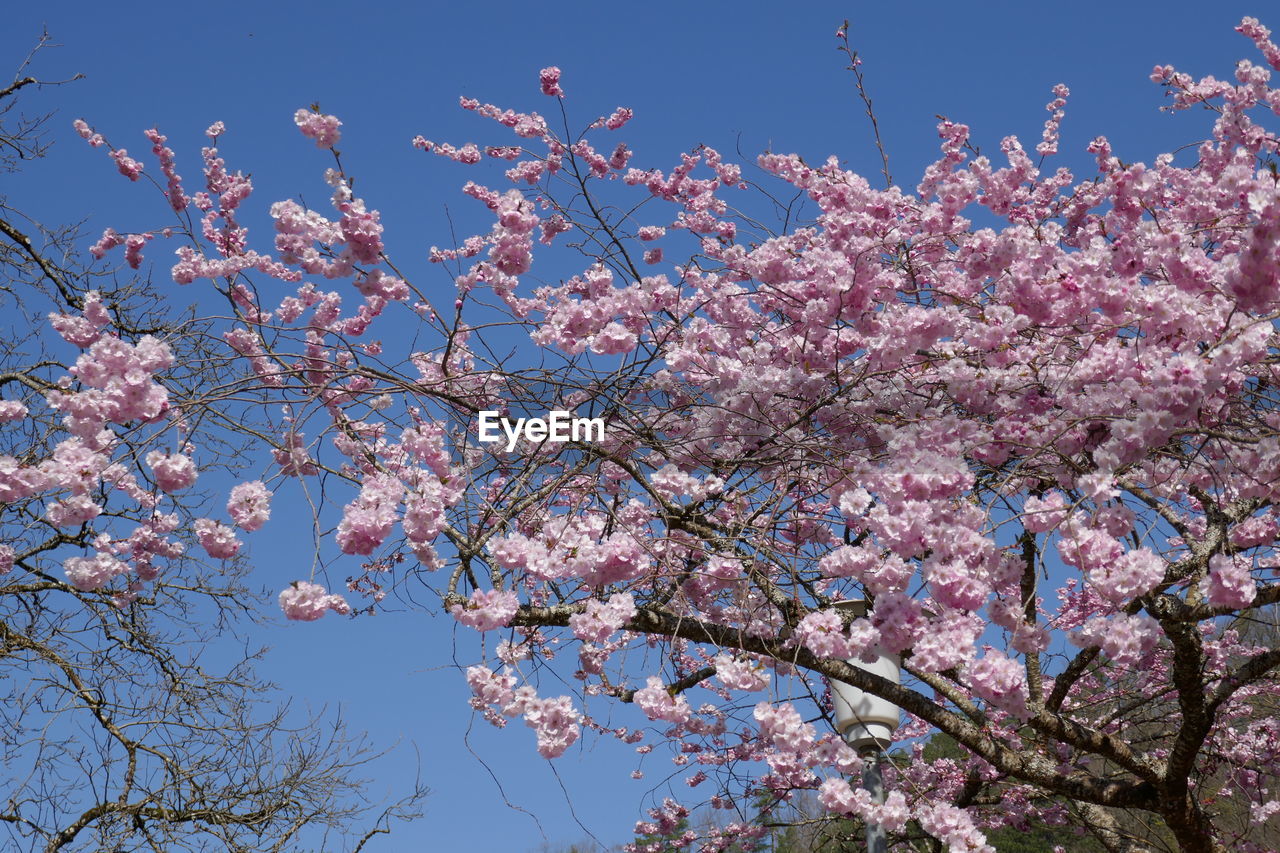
column 1031, row 417
column 125, row 724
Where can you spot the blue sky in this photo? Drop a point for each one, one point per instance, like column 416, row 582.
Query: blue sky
column 745, row 75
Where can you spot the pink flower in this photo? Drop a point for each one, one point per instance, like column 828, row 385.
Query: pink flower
column 489, row 688
column 837, row 795
column 602, row 619
column 822, row 632
column 86, row 133
column 177, row 198
column 75, row 466
column 133, row 245
column 614, row 339
column 782, row 727
column 83, row 330
column 657, row 703
column 1001, row 681
column 322, row 128
column 745, row 674
column 954, row 584
column 556, row 724
column 12, row 410
column 1133, row 574
column 128, row 166
column 368, row 519
column 173, row 472
column 1042, row 515
column 90, row 573
column 307, row 602
column 1229, row 583
column 7, row 557
column 953, row 827
column 293, row 459
column 618, row 118
column 217, row 539
column 1125, row 639
column 671, row 483
column 550, row 79
column 109, row 240
column 72, row 512
column 250, row 505
column 947, row 642
column 487, row 609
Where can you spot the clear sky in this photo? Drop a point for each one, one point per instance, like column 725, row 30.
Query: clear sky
column 745, row 75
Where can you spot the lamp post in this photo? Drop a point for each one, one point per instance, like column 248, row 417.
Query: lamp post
column 867, row 723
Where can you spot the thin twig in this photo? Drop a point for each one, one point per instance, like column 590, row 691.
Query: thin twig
column 855, row 65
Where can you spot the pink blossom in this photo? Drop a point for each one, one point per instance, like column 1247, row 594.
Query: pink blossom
column 822, row 632
column 953, row 827
column 108, row 241
column 671, row 483
column 900, row 620
column 249, row 505
column 837, row 795
column 489, row 688
column 602, row 618
column 172, row 471
column 782, row 727
column 893, row 814
column 954, row 584
column 368, row 519
column 293, row 459
column 91, row 573
column 318, row 126
column 217, row 539
column 1041, row 515
column 1125, row 639
column 7, row 557
column 177, row 198
column 549, row 77
column 556, row 724
column 86, row 133
column 487, row 609
column 18, row 482
column 306, row 602
column 1001, row 681
column 744, row 674
column 658, row 703
column 12, row 410
column 72, row 512
column 133, row 245
column 1133, row 574
column 1229, row 583
column 127, row 166
column 426, row 444
column 614, row 339
column 618, row 118
column 948, row 642
column 74, row 466
column 83, row 330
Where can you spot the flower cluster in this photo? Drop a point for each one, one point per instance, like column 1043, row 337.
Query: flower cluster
column 318, row 126
column 306, row 602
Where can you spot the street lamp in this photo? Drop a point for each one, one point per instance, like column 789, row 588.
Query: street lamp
column 867, row 722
